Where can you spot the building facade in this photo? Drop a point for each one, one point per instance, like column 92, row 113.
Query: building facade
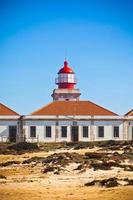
column 9, row 124
column 66, row 119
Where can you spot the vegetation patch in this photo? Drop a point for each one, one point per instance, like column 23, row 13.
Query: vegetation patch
column 110, row 182
column 2, row 176
column 10, row 162
column 35, row 160
column 23, row 146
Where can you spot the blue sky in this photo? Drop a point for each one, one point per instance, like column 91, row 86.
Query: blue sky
column 95, row 35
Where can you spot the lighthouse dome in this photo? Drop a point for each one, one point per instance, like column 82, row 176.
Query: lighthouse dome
column 66, row 77
column 66, row 69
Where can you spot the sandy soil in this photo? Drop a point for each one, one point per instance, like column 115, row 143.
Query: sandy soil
column 38, row 191
column 26, row 182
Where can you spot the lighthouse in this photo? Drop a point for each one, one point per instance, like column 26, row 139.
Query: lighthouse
column 66, row 82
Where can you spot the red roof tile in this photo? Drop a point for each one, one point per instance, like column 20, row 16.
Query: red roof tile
column 73, row 108
column 4, row 110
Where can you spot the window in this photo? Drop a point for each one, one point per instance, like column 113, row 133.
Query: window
column 85, row 131
column 48, row 131
column 116, row 131
column 64, row 131
column 66, row 78
column 12, row 133
column 101, row 131
column 33, row 131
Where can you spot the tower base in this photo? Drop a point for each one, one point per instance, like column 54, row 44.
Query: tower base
column 66, row 94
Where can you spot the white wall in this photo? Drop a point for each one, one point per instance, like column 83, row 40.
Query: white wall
column 4, row 129
column 40, row 130
column 56, row 130
column 108, row 130
column 130, row 127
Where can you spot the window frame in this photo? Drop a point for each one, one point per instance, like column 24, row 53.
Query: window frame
column 32, row 134
column 65, row 134
column 114, row 133
column 48, row 134
column 85, row 134
column 99, row 136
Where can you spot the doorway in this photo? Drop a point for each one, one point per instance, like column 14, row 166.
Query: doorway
column 12, row 133
column 74, row 133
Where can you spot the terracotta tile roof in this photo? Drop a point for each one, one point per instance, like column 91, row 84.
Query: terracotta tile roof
column 130, row 113
column 4, row 110
column 73, row 108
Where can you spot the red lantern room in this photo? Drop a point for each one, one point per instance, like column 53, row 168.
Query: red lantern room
column 66, row 77
column 66, row 82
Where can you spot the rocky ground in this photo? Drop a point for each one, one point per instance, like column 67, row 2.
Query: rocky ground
column 98, row 170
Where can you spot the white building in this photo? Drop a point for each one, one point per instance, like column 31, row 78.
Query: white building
column 9, row 124
column 73, row 121
column 67, row 118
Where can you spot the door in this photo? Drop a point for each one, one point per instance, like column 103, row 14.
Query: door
column 12, row 133
column 74, row 134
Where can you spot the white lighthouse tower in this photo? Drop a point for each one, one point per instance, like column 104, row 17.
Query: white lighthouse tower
column 66, row 82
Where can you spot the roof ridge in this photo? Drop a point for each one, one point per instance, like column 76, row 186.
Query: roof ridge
column 40, row 108
column 128, row 113
column 1, row 104
column 103, row 108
